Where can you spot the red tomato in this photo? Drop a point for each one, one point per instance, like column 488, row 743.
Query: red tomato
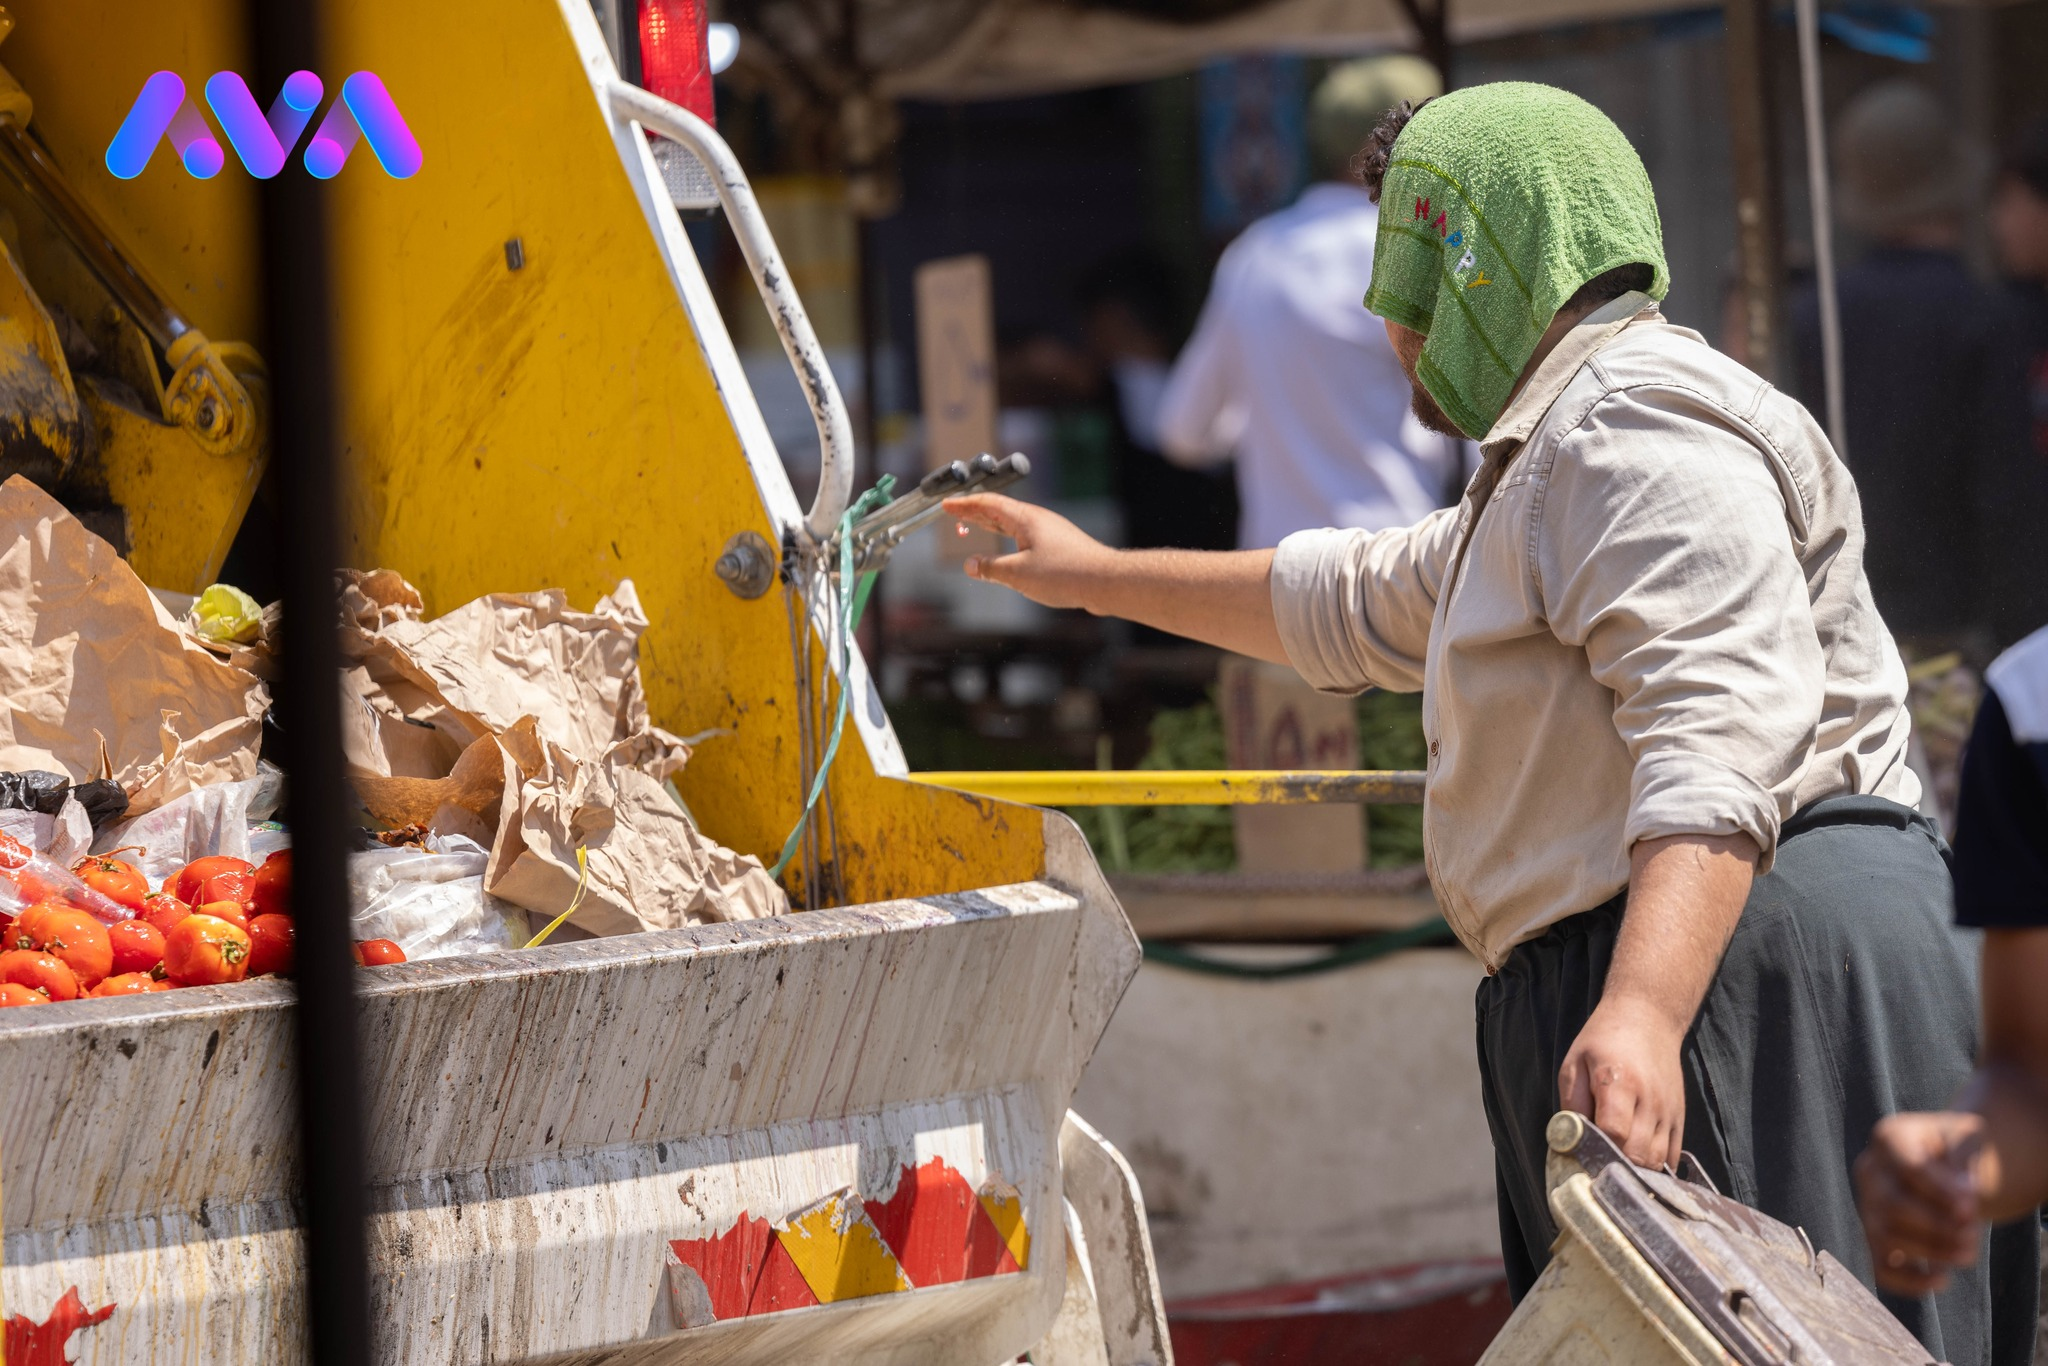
column 272, row 945
column 113, row 879
column 138, row 946
column 27, row 932
column 15, row 994
column 80, row 941
column 129, row 984
column 164, row 910
column 185, row 885
column 39, row 971
column 234, row 912
column 274, row 884
column 375, row 953
column 202, row 950
column 235, row 886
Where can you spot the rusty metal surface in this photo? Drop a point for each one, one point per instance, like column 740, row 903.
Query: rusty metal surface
column 1274, row 906
column 42, row 429
column 542, row 1123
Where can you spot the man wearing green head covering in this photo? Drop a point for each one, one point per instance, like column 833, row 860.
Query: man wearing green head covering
column 1668, row 800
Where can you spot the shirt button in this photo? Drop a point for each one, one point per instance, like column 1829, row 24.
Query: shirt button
column 1435, row 748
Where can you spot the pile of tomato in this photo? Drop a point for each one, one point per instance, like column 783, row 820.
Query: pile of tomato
column 218, row 919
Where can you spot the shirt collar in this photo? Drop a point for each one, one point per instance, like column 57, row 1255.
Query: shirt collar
column 1565, row 360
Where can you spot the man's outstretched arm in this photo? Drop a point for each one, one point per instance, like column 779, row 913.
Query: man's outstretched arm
column 1222, row 598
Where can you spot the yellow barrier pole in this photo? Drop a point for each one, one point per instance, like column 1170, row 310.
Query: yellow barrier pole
column 1186, row 787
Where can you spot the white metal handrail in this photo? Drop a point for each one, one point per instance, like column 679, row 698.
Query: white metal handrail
column 771, row 277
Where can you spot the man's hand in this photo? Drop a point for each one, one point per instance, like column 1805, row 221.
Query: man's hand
column 1055, row 562
column 1623, row 1072
column 1685, row 894
column 1222, row 597
column 1918, row 1191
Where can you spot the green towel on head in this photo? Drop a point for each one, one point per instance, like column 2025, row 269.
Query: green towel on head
column 1499, row 202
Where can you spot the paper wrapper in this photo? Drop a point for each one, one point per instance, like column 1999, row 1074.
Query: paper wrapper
column 520, row 723
column 649, row 868
column 95, row 672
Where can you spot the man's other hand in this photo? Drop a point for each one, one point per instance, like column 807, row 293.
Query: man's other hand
column 1055, row 562
column 1623, row 1073
column 1919, row 1197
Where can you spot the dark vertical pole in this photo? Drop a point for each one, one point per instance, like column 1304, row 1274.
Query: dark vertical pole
column 300, row 352
column 867, row 468
column 1432, row 33
column 1759, row 224
column 869, row 159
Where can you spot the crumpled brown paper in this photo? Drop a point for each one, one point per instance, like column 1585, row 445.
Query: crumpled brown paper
column 94, row 672
column 573, row 761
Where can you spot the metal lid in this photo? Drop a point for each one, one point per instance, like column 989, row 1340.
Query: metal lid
column 1759, row 1286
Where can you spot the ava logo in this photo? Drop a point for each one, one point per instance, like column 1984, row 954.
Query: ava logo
column 264, row 141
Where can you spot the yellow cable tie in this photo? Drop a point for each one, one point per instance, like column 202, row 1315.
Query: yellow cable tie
column 582, row 884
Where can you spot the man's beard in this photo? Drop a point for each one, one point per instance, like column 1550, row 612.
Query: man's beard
column 1428, row 413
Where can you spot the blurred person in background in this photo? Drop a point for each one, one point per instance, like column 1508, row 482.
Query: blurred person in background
column 1286, row 373
column 1929, row 1182
column 1931, row 408
column 2019, row 230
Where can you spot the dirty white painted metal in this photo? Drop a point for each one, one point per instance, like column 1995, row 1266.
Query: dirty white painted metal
column 1123, row 1285
column 629, row 102
column 1262, row 1119
column 544, row 1124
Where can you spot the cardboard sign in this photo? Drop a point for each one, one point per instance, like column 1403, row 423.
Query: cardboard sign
column 1273, row 720
column 956, row 358
column 956, row 368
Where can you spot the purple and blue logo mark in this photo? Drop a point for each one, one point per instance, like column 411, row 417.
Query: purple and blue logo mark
column 264, row 141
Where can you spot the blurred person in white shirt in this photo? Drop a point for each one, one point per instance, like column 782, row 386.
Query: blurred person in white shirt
column 1287, row 374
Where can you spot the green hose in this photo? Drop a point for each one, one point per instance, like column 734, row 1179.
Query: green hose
column 1349, row 953
column 854, row 596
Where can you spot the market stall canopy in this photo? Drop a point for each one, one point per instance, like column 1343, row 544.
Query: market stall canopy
column 1019, row 47
column 990, row 49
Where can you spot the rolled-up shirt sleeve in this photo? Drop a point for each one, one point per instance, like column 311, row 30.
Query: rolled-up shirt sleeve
column 1354, row 607
column 1680, row 580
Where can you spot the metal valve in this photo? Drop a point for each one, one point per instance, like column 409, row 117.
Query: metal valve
column 876, row 536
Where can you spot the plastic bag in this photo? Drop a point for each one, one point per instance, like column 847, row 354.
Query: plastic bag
column 224, row 614
column 45, row 793
column 207, row 820
column 27, row 877
column 430, row 902
column 61, row 838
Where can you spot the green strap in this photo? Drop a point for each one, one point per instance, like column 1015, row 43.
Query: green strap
column 860, row 597
column 853, row 600
column 1349, row 953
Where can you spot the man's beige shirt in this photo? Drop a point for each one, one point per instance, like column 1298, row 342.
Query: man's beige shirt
column 1648, row 617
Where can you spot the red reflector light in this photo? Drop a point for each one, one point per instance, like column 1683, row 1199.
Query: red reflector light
column 675, row 59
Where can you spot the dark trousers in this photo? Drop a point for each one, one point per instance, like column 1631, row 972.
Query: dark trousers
column 1845, row 995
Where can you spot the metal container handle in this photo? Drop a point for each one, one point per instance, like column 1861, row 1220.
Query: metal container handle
column 771, row 277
